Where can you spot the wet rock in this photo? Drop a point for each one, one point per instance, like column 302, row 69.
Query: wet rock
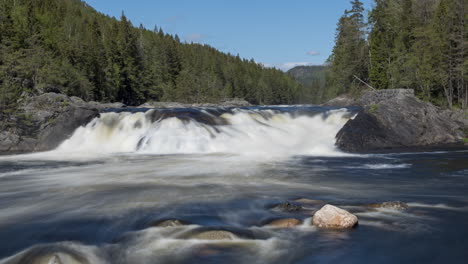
column 332, row 217
column 169, row 223
column 309, row 201
column 284, row 222
column 395, row 205
column 43, row 122
column 400, row 122
column 288, row 207
column 49, row 256
column 214, row 235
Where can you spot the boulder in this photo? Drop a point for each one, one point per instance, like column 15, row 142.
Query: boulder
column 332, row 217
column 284, row 222
column 398, row 123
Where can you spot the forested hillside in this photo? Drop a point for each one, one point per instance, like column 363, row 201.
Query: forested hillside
column 312, row 80
column 419, row 44
column 66, row 46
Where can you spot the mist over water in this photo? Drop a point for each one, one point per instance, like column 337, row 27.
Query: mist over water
column 95, row 198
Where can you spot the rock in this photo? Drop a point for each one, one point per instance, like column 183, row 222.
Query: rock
column 332, row 217
column 396, row 205
column 309, row 201
column 343, row 100
column 288, row 207
column 284, row 222
column 169, row 223
column 44, row 255
column 214, row 235
column 399, row 122
column 45, row 121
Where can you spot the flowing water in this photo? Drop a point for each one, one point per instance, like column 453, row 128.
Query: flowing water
column 98, row 197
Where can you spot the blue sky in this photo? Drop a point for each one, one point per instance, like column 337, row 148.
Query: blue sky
column 276, row 33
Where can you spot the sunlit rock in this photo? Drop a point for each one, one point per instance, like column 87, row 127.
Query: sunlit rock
column 332, row 217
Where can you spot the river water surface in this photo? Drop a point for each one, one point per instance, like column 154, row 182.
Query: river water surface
column 97, row 197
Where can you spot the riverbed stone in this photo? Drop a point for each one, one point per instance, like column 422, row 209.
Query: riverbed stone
column 288, row 207
column 284, row 223
column 169, row 223
column 332, row 217
column 214, row 235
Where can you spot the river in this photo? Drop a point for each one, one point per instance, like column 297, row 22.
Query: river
column 97, row 197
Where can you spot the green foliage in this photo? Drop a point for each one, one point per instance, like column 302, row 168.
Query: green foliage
column 349, row 58
column 373, row 108
column 65, row 45
column 313, row 83
column 419, row 44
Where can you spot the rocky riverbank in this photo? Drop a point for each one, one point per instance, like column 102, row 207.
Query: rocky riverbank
column 396, row 119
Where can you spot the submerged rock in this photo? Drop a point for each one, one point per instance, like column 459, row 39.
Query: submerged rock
column 309, row 201
column 214, row 235
column 288, row 207
column 332, row 217
column 395, row 205
column 48, row 256
column 284, row 222
column 169, row 223
column 402, row 121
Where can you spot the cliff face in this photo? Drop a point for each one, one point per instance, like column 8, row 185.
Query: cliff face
column 397, row 119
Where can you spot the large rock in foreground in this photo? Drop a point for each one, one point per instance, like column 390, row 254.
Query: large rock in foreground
column 45, row 121
column 400, row 122
column 333, row 217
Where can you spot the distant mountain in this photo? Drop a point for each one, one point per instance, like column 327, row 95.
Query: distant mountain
column 313, row 80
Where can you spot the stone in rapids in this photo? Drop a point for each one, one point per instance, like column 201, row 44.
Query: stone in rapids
column 284, row 223
column 332, row 217
column 214, row 235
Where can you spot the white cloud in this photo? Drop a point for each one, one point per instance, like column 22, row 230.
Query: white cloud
column 313, row 53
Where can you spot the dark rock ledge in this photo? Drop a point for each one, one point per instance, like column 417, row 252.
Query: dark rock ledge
column 399, row 120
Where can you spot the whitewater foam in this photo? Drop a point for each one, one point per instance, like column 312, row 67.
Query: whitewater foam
column 260, row 133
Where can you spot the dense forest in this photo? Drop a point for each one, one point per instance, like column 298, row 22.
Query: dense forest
column 419, row 44
column 313, row 83
column 66, row 46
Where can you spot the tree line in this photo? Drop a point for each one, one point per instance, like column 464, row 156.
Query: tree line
column 419, row 44
column 66, row 46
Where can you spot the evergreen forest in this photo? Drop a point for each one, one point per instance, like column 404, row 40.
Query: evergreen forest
column 66, row 46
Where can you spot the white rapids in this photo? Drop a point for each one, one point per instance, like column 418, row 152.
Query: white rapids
column 261, row 133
